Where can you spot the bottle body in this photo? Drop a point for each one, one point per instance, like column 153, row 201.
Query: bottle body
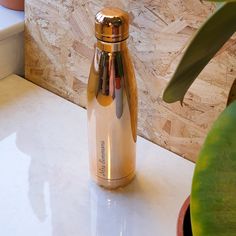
column 112, row 115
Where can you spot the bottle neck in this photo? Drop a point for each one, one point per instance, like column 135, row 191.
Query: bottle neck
column 112, row 47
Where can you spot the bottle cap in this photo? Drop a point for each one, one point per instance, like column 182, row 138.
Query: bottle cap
column 112, row 25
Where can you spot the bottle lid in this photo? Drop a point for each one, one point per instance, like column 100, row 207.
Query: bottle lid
column 112, row 25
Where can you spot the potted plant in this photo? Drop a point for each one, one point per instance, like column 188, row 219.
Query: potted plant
column 213, row 194
column 17, row 5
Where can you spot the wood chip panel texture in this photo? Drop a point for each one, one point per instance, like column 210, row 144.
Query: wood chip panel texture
column 59, row 49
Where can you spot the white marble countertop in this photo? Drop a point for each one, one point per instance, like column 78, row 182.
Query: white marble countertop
column 44, row 180
column 11, row 22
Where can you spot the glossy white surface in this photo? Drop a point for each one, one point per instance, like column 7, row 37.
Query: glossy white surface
column 44, row 181
column 11, row 22
column 11, row 42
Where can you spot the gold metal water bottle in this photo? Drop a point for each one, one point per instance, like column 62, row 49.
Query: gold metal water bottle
column 112, row 102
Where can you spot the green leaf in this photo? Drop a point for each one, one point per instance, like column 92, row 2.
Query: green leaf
column 213, row 195
column 207, row 41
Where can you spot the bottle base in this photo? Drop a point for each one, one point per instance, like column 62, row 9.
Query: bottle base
column 114, row 183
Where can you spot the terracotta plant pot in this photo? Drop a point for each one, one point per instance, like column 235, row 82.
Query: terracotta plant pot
column 184, row 223
column 17, row 5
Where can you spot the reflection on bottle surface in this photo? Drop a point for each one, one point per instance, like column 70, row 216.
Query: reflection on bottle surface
column 112, row 103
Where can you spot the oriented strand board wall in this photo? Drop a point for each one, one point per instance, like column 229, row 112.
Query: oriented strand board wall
column 59, row 50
